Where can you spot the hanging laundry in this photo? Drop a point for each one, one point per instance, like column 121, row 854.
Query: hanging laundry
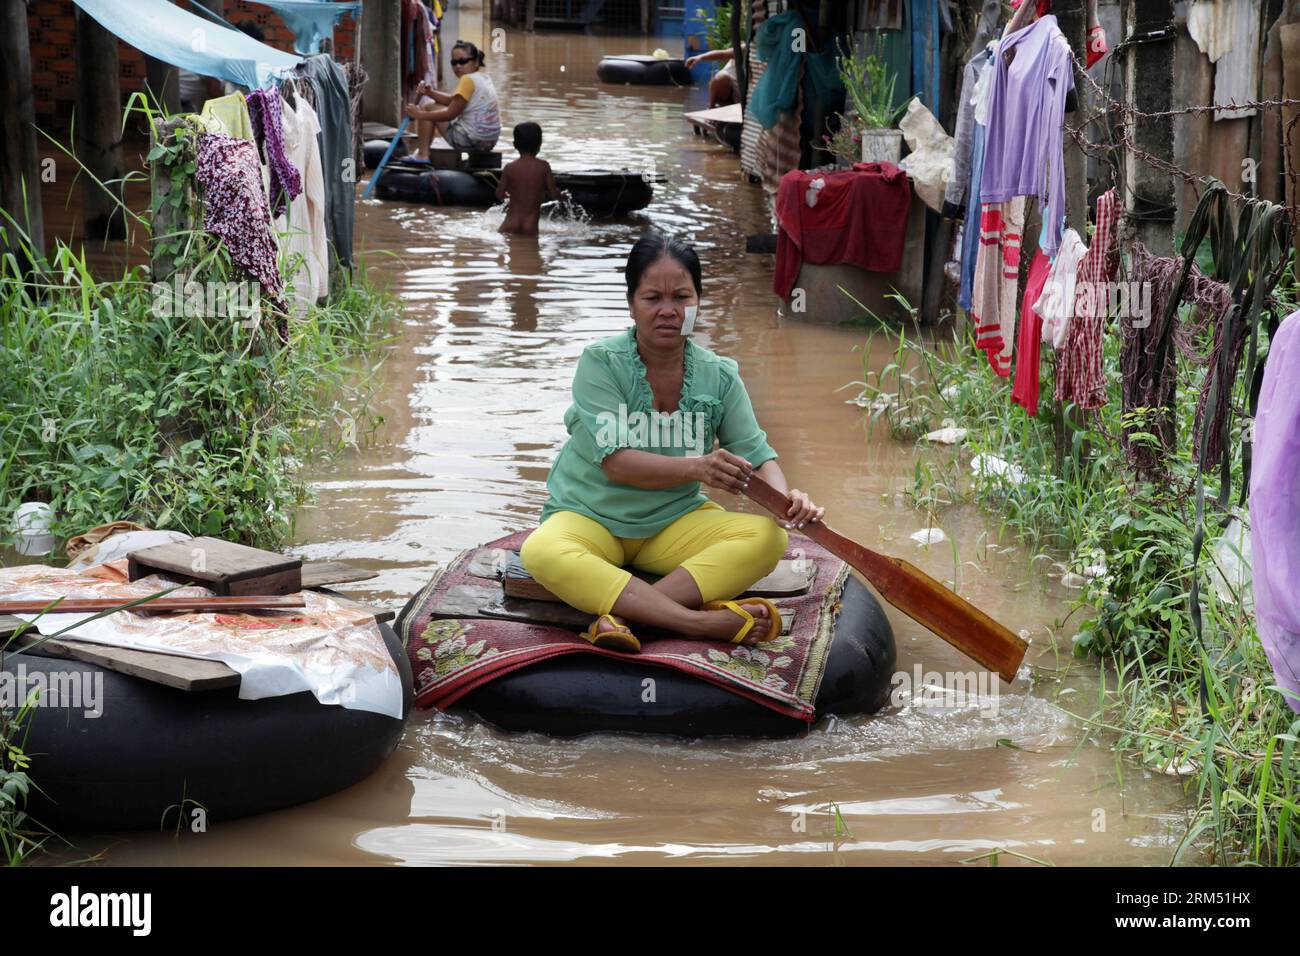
column 860, row 217
column 1095, row 45
column 333, row 105
column 305, row 250
column 776, row 93
column 418, row 47
column 971, row 229
column 228, row 116
column 1275, row 509
column 954, row 197
column 1024, row 390
column 1148, row 361
column 1023, row 149
column 1056, row 304
column 285, row 181
column 1079, row 376
column 1044, row 7
column 234, row 208
column 997, row 272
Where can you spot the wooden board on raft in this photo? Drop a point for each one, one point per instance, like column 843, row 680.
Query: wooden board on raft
column 319, row 574
column 170, row 670
column 225, row 567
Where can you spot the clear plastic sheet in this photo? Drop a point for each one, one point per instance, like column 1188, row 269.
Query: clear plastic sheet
column 337, row 653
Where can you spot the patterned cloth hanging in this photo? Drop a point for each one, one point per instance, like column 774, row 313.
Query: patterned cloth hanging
column 997, row 273
column 235, row 210
column 268, row 131
column 1079, row 375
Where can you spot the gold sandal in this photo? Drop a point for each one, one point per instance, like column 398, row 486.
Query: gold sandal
column 774, row 623
column 617, row 638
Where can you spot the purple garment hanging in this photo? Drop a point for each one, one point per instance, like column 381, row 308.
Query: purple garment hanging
column 1023, row 144
column 1275, row 509
column 264, row 112
column 234, row 209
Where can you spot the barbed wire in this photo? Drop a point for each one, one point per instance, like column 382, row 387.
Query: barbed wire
column 1122, row 137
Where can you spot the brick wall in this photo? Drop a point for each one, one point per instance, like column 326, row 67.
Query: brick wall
column 51, row 29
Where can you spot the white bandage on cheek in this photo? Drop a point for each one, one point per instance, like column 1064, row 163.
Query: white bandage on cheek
column 688, row 325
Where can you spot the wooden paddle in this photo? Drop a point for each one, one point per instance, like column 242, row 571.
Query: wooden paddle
column 95, row 605
column 913, row 592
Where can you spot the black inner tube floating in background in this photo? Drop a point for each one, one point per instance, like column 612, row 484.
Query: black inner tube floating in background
column 600, row 192
column 442, row 187
column 372, row 151
column 644, row 70
column 575, row 694
column 156, row 752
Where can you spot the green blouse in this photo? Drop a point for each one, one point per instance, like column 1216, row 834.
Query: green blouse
column 613, row 408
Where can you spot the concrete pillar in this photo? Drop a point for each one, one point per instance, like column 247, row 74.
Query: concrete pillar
column 20, row 186
column 381, row 58
column 99, row 126
column 1149, row 80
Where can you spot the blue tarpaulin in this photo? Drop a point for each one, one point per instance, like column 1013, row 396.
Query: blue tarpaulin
column 311, row 20
column 186, row 40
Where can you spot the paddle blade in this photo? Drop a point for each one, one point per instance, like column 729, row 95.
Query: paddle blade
column 914, row 592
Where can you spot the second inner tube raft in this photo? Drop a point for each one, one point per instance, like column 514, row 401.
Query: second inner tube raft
column 599, row 192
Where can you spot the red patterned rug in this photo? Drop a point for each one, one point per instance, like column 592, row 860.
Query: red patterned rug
column 453, row 651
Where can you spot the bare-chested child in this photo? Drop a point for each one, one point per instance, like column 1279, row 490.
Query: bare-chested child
column 527, row 182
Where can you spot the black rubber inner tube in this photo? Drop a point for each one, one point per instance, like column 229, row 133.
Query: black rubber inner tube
column 372, row 151
column 643, row 71
column 154, row 747
column 578, row 694
column 606, row 193
column 442, row 187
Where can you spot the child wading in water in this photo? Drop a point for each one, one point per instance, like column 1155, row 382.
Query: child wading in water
column 527, row 182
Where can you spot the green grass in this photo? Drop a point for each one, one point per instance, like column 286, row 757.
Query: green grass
column 112, row 410
column 1080, row 506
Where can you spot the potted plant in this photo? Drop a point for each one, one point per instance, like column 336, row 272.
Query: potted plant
column 869, row 87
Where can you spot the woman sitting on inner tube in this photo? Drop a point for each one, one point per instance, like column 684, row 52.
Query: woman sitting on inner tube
column 625, row 488
column 468, row 119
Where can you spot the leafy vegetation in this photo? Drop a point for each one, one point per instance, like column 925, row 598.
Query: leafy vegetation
column 1205, row 710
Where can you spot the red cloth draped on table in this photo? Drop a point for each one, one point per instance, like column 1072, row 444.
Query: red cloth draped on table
column 859, row 217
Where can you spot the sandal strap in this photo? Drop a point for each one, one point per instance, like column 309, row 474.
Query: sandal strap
column 749, row 619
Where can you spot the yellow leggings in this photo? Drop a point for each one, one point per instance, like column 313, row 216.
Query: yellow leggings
column 581, row 563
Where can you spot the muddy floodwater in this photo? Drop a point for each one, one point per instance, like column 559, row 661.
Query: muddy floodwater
column 472, row 395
